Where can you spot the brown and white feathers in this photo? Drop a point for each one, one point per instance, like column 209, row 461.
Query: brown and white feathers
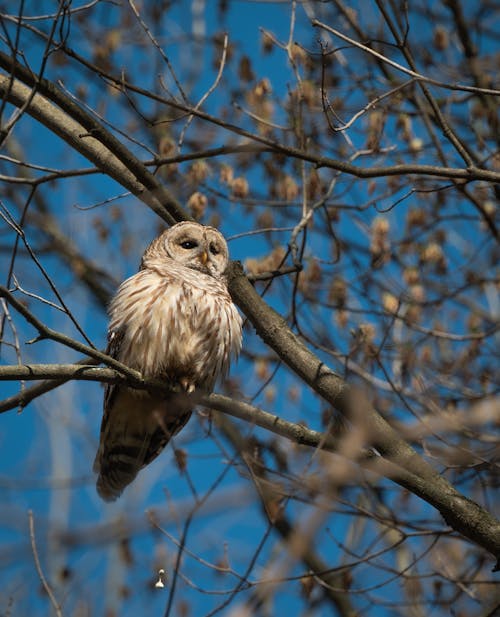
column 174, row 320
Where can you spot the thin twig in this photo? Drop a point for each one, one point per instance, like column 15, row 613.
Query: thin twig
column 47, row 333
column 403, row 69
column 153, row 40
column 207, row 93
column 45, row 584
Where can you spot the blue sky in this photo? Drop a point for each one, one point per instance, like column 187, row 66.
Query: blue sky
column 54, row 440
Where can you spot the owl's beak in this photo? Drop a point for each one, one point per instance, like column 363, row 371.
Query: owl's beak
column 204, row 258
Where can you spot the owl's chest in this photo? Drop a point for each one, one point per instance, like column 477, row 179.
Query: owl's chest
column 182, row 313
column 176, row 329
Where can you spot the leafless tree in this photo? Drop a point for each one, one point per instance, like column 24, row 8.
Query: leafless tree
column 350, row 154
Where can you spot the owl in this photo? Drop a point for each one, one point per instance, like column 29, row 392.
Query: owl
column 174, row 321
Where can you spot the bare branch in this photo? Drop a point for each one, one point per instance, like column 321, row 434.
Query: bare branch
column 46, row 586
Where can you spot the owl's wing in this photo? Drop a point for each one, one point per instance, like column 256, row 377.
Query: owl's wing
column 135, row 428
column 115, row 338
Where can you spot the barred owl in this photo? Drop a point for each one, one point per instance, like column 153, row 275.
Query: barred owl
column 174, row 320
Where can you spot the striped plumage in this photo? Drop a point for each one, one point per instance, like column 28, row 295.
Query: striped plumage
column 173, row 320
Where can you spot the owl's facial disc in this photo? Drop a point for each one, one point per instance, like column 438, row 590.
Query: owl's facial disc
column 195, row 247
column 198, row 255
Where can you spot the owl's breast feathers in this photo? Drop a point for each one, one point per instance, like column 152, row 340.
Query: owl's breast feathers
column 174, row 327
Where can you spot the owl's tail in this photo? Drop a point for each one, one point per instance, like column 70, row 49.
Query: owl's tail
column 134, row 432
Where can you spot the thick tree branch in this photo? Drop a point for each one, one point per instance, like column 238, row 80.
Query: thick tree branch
column 455, row 508
column 62, row 372
column 58, row 374
column 87, row 136
column 102, row 145
column 26, row 395
column 459, row 512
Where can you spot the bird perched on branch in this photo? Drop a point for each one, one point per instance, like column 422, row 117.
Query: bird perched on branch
column 174, row 321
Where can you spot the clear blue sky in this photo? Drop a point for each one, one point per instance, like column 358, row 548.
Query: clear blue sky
column 52, row 443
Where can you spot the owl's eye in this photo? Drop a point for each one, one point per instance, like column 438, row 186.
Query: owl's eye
column 214, row 249
column 189, row 244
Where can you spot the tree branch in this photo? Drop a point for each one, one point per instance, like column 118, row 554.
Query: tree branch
column 98, row 145
column 47, row 333
column 459, row 512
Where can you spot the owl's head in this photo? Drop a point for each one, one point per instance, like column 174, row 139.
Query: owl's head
column 192, row 245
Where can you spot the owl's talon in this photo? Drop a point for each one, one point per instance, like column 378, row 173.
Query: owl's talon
column 186, row 385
